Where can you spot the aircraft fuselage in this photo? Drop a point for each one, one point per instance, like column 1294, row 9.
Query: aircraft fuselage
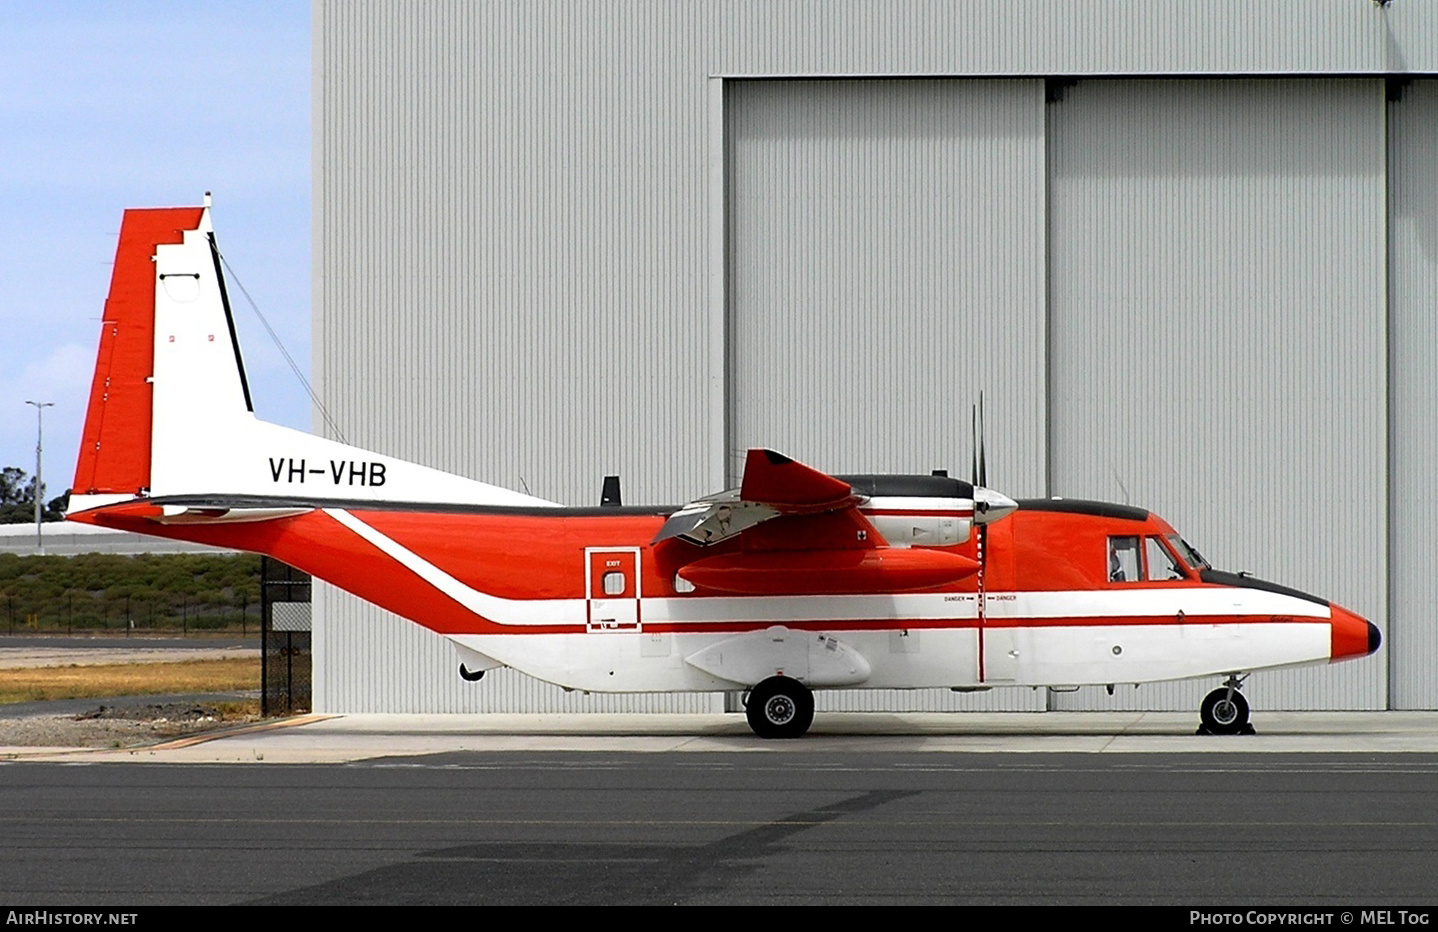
column 585, row 599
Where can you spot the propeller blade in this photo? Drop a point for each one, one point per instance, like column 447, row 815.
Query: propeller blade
column 983, row 468
column 974, row 442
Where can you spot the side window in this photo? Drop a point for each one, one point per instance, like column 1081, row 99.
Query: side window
column 613, row 583
column 1123, row 560
column 1160, row 564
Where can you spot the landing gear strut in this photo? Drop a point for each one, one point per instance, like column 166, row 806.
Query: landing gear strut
column 1224, row 711
column 780, row 707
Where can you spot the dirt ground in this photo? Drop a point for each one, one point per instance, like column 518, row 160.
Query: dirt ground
column 111, row 725
column 108, row 727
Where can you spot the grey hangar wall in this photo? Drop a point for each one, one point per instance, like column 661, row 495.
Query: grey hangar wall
column 1189, row 253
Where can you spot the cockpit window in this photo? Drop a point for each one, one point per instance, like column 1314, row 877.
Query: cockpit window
column 1190, row 556
column 1123, row 560
column 1136, row 559
column 1161, row 564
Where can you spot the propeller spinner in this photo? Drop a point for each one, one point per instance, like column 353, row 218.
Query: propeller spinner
column 989, row 506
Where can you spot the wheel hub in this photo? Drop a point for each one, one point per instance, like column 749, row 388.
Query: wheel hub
column 779, row 710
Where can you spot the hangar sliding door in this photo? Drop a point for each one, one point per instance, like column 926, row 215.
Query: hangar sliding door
column 883, row 260
column 1413, row 257
column 1218, row 302
column 884, row 244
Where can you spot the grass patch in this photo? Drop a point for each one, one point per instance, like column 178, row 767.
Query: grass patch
column 242, row 708
column 42, row 684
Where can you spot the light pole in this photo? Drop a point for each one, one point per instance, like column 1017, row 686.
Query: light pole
column 40, row 407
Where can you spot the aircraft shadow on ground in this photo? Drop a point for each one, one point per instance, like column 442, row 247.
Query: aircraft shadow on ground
column 508, row 873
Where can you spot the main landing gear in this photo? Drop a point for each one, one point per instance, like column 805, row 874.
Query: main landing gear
column 780, row 707
column 1224, row 711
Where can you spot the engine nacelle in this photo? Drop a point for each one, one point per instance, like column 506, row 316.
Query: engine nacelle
column 921, row 530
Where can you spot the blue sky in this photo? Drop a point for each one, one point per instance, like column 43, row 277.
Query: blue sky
column 146, row 104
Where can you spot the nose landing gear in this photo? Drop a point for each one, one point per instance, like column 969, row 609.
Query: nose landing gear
column 1224, row 711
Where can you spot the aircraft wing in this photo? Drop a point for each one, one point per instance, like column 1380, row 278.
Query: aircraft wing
column 823, row 545
column 773, row 486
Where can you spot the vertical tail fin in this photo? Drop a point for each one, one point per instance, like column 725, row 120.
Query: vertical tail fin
column 170, row 414
column 115, row 445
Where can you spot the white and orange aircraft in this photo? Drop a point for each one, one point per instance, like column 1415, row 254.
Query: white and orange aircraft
column 795, row 581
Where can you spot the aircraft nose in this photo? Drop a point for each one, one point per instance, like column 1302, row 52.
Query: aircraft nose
column 1352, row 636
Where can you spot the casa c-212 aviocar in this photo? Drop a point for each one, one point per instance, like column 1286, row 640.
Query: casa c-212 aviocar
column 795, row 581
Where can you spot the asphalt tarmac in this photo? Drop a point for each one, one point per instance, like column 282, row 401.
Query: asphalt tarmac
column 1191, row 830
column 27, row 651
column 347, row 738
column 1318, row 811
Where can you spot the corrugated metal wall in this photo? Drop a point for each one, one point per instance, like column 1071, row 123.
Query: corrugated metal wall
column 1413, row 411
column 488, row 232
column 510, row 269
column 881, row 237
column 522, row 271
column 786, row 38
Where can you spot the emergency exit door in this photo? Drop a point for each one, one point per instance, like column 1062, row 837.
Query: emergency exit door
column 612, row 587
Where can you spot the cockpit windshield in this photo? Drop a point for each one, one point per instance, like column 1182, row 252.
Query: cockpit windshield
column 1190, row 556
column 1139, row 559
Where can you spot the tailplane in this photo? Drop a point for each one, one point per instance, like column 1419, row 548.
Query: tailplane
column 170, row 415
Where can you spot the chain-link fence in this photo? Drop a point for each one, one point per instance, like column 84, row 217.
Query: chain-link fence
column 169, row 594
column 285, row 638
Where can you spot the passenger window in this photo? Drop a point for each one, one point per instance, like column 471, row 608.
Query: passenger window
column 1160, row 564
column 1123, row 561
column 613, row 583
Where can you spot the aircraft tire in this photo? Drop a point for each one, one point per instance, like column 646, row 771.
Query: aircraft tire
column 1221, row 716
column 780, row 707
